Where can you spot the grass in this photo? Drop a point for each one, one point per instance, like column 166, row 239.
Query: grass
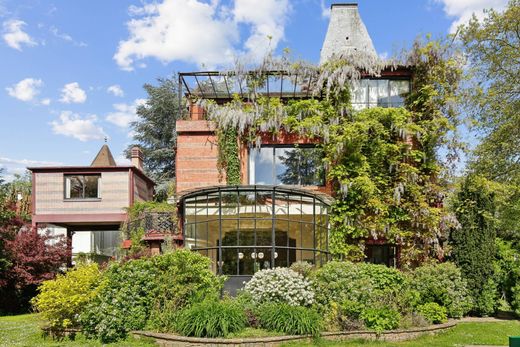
column 23, row 330
column 466, row 333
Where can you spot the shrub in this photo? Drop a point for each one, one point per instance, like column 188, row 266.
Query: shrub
column 61, row 300
column 124, row 301
column 474, row 242
column 211, row 318
column 280, row 285
column 380, row 319
column 184, row 278
column 433, row 312
column 345, row 281
column 444, row 285
column 289, row 319
column 148, row 291
column 302, row 267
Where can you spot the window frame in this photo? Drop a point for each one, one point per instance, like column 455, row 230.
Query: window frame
column 251, row 164
column 67, row 186
column 368, row 104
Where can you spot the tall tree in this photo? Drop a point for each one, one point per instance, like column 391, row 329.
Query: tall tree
column 492, row 46
column 154, row 131
column 474, row 242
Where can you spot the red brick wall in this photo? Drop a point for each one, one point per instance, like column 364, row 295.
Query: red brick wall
column 196, row 156
column 197, row 153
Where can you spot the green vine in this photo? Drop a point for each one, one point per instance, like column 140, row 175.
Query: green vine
column 382, row 162
column 228, row 155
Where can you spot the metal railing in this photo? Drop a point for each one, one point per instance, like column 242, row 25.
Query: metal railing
column 153, row 223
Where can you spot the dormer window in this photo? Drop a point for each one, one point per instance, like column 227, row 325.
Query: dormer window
column 300, row 165
column 82, row 186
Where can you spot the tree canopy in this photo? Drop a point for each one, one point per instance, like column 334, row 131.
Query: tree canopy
column 154, row 132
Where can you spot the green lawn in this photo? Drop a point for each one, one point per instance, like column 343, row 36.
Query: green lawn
column 481, row 333
column 24, row 330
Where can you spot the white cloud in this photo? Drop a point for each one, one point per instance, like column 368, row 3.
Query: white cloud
column 200, row 32
column 462, row 10
column 116, row 90
column 325, row 11
column 72, row 93
column 66, row 37
column 19, row 166
column 14, row 35
column 122, row 160
column 72, row 125
column 124, row 114
column 45, row 101
column 267, row 19
column 26, row 89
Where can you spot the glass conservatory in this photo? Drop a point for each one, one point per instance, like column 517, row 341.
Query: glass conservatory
column 243, row 229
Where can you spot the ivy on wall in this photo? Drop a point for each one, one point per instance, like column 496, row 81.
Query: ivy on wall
column 382, row 162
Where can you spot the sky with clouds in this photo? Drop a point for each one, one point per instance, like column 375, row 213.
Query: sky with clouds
column 71, row 72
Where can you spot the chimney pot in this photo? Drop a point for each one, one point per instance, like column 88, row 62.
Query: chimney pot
column 137, row 157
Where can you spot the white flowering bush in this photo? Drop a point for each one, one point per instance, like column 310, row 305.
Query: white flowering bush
column 280, row 285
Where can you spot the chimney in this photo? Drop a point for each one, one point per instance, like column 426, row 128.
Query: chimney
column 346, row 33
column 137, row 158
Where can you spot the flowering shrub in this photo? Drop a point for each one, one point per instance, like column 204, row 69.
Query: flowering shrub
column 280, row 285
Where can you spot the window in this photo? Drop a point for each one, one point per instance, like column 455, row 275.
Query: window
column 245, row 229
column 381, row 254
column 287, row 165
column 82, row 186
column 379, row 93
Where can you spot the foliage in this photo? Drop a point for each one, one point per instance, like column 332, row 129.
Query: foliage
column 280, row 285
column 507, row 272
column 474, row 243
column 124, row 301
column 289, row 319
column 342, row 282
column 148, row 291
column 154, row 131
column 380, row 319
column 184, row 278
column 211, row 318
column 492, row 45
column 133, row 228
column 382, row 161
column 60, row 300
column 444, row 285
column 302, row 267
column 433, row 312
column 31, row 259
column 228, row 155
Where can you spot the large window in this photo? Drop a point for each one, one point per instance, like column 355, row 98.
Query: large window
column 243, row 229
column 288, row 165
column 82, row 186
column 379, row 93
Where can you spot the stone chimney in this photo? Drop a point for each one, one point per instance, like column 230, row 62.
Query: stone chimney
column 137, row 158
column 346, row 33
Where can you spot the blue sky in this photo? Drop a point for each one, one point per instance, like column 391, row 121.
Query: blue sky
column 71, row 72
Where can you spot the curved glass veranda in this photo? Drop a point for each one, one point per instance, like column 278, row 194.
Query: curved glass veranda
column 243, row 229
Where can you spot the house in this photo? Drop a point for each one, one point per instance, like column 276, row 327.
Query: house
column 278, row 214
column 88, row 203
